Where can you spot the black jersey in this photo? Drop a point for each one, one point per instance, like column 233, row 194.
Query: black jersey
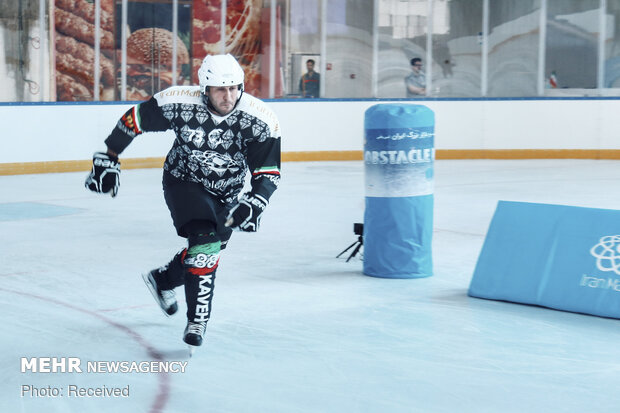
column 215, row 151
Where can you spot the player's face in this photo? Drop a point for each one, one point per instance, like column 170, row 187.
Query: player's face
column 223, row 98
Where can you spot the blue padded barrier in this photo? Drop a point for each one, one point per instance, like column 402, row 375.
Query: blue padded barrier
column 556, row 256
column 398, row 219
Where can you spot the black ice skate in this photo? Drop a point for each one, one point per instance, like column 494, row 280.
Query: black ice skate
column 193, row 334
column 165, row 298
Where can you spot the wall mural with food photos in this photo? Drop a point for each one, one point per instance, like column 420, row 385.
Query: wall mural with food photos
column 149, row 45
column 243, row 35
column 74, row 40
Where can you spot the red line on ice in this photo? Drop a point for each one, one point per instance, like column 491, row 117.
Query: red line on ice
column 164, row 380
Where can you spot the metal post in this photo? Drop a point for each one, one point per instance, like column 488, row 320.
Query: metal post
column 323, row 47
column 429, row 48
column 602, row 33
column 123, row 49
column 375, row 49
column 223, row 28
column 542, row 42
column 484, row 64
column 97, row 71
column 42, row 49
column 272, row 49
column 175, row 36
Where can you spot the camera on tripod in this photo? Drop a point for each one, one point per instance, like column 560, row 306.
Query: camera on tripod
column 358, row 229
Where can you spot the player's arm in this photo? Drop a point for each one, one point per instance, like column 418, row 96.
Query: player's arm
column 143, row 117
column 264, row 163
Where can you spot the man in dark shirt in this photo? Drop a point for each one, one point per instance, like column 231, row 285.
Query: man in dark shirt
column 310, row 82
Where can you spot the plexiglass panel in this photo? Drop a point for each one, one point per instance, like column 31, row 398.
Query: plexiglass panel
column 571, row 56
column 73, row 32
column 349, row 49
column 303, row 32
column 24, row 62
column 247, row 34
column 612, row 46
column 457, row 49
column 513, row 47
column 150, row 46
column 359, row 49
column 402, row 37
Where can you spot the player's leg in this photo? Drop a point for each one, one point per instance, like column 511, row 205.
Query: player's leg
column 200, row 263
column 184, row 200
column 199, row 217
column 206, row 240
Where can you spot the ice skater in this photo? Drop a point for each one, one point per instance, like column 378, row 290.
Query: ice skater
column 221, row 134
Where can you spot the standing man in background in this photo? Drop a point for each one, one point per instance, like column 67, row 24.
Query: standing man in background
column 310, row 82
column 221, row 134
column 416, row 81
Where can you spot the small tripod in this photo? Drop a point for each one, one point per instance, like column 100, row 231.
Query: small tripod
column 358, row 229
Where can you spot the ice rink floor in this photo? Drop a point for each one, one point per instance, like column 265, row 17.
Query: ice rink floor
column 294, row 329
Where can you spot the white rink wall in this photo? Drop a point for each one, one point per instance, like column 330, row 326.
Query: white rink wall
column 64, row 132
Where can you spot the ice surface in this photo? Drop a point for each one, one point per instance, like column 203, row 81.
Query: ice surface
column 293, row 328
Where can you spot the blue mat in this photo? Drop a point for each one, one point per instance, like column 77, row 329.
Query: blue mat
column 556, row 256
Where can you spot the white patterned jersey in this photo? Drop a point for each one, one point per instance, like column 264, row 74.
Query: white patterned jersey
column 215, row 151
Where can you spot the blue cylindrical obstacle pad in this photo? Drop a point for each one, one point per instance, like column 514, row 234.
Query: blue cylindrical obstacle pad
column 399, row 153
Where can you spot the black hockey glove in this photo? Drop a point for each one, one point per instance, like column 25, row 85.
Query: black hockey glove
column 105, row 176
column 247, row 213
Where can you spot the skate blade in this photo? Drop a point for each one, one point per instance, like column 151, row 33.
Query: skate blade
column 145, row 277
column 191, row 349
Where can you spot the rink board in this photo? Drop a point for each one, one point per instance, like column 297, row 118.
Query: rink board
column 556, row 256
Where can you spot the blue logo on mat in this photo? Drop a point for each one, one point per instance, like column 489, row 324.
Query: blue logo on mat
column 607, row 253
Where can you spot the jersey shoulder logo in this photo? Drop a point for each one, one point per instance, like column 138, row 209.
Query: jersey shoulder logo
column 180, row 94
column 257, row 109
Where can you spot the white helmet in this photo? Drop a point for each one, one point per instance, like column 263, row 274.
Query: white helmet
column 220, row 70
